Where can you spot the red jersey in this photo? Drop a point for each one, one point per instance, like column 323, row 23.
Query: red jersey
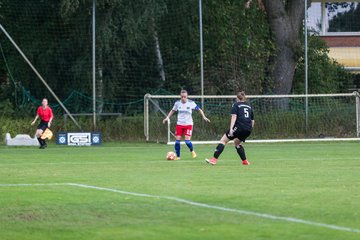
column 44, row 114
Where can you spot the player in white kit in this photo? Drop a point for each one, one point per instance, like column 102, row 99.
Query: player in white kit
column 185, row 123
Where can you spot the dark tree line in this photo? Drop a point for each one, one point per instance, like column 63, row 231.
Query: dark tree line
column 146, row 45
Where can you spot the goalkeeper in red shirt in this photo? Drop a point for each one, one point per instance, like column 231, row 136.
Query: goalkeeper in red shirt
column 45, row 113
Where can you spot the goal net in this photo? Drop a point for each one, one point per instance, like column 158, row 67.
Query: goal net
column 277, row 117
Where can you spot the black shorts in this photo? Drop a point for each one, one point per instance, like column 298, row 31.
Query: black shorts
column 239, row 133
column 43, row 125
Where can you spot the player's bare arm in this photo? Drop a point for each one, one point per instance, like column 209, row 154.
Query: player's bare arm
column 203, row 115
column 252, row 123
column 232, row 123
column 168, row 116
column 36, row 118
column 49, row 123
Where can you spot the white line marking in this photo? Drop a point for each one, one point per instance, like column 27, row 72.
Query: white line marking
column 32, row 184
column 161, row 162
column 198, row 204
column 278, row 140
column 97, row 163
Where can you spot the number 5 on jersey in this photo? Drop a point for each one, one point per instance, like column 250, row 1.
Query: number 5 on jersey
column 246, row 112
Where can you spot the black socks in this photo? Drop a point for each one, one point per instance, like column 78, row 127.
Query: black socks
column 241, row 151
column 42, row 142
column 219, row 150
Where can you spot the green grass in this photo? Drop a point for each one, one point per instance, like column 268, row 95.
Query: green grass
column 318, row 182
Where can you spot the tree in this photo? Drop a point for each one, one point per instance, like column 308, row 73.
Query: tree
column 237, row 46
column 145, row 45
column 285, row 19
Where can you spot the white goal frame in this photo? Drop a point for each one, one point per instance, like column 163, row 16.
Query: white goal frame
column 150, row 98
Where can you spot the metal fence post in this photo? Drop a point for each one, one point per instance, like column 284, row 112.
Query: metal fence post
column 169, row 130
column 357, row 105
column 306, row 70
column 201, row 54
column 146, row 116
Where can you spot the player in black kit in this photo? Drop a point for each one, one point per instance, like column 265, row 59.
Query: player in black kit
column 241, row 125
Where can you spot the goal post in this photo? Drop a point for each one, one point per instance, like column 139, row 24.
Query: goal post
column 149, row 99
column 357, row 106
column 278, row 118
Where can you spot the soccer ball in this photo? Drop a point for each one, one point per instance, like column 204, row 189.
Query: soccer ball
column 170, row 156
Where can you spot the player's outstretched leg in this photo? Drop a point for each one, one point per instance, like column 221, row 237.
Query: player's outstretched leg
column 241, row 151
column 177, row 149
column 191, row 148
column 219, row 149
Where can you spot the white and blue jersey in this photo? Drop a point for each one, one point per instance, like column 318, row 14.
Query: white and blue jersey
column 184, row 112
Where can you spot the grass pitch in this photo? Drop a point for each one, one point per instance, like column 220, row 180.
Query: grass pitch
column 317, row 182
